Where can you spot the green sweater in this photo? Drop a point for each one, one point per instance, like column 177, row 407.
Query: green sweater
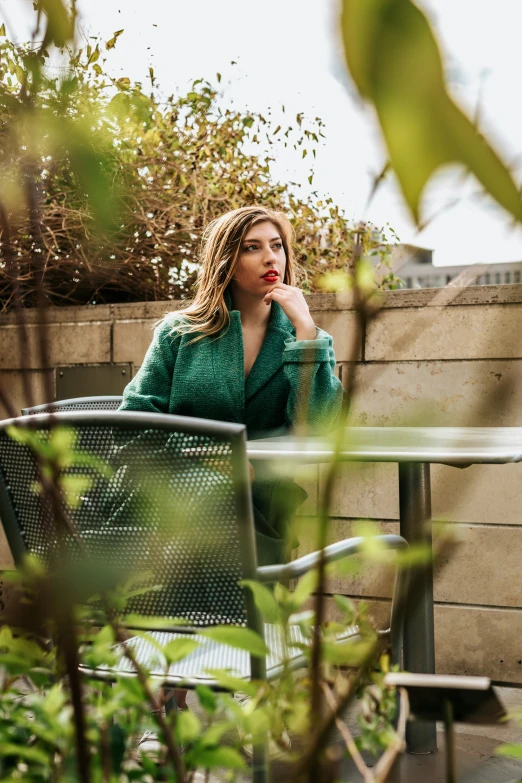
column 207, row 380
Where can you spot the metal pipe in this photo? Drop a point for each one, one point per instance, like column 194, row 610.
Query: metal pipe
column 419, row 633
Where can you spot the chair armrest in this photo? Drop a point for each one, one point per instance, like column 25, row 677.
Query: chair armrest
column 333, row 552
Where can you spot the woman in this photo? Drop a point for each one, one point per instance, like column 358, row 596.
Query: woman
column 245, row 350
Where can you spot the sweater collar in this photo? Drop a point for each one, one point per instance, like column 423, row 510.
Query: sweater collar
column 270, row 357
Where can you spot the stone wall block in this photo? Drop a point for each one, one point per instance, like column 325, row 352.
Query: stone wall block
column 468, row 574
column 469, row 640
column 68, row 343
column 368, row 490
column 12, row 383
column 438, row 394
column 342, row 325
column 131, row 340
column 491, row 331
column 482, row 494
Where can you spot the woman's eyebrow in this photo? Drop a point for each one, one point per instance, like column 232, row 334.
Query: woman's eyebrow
column 249, row 241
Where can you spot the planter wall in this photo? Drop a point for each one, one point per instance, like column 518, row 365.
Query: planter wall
column 439, row 357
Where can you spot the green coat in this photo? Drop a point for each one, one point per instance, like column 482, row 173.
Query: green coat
column 207, row 380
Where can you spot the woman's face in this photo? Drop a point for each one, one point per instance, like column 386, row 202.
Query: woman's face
column 262, row 260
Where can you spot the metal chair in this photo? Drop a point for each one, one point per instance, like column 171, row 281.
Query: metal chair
column 103, row 403
column 177, row 504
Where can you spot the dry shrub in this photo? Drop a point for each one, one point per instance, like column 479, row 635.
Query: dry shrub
column 167, row 166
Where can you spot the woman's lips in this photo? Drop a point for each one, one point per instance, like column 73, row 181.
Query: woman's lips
column 270, row 276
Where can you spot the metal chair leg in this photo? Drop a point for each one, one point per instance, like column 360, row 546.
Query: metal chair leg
column 260, row 768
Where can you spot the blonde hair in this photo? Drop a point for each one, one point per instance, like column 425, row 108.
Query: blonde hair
column 221, row 245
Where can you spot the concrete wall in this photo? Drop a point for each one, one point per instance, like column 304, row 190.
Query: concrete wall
column 451, row 357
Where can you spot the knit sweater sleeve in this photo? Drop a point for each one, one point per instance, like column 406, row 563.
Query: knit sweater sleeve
column 316, row 394
column 150, row 388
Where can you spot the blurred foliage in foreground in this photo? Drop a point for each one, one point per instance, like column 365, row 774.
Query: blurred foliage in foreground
column 127, row 179
column 394, row 59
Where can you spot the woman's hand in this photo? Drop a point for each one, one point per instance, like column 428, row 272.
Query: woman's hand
column 295, row 308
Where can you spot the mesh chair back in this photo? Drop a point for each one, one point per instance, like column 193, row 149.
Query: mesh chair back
column 164, row 500
column 106, row 403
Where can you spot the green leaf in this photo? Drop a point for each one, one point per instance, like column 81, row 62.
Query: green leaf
column 117, row 746
column 207, row 698
column 209, row 758
column 233, row 684
column 213, row 734
column 95, row 56
column 305, row 587
column 264, row 600
column 394, row 60
column 188, row 727
column 21, row 751
column 60, row 24
column 240, row 638
column 73, row 487
column 88, row 164
column 346, row 606
column 514, row 751
column 179, row 648
column 111, row 43
column 105, row 636
column 351, row 653
column 2, row 30
column 135, row 621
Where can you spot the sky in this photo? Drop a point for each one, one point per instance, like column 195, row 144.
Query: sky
column 288, row 52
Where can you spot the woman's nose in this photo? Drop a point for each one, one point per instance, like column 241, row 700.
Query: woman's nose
column 270, row 256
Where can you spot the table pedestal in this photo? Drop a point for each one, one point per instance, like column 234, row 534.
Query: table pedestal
column 419, row 634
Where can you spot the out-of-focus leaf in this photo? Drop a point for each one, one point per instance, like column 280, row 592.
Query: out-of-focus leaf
column 512, row 750
column 153, row 623
column 350, row 653
column 336, row 281
column 88, row 165
column 305, row 587
column 346, row 606
column 21, row 751
column 179, row 648
column 73, row 487
column 188, row 727
column 229, row 758
column 233, row 684
column 394, row 59
column 240, row 638
column 213, row 734
column 117, row 746
column 207, row 698
column 60, row 24
column 264, row 600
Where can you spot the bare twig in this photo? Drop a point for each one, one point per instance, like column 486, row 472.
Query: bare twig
column 353, row 750
column 383, row 767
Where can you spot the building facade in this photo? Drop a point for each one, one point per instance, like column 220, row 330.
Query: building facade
column 414, row 265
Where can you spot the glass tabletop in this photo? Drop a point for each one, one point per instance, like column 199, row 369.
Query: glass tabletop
column 447, row 445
